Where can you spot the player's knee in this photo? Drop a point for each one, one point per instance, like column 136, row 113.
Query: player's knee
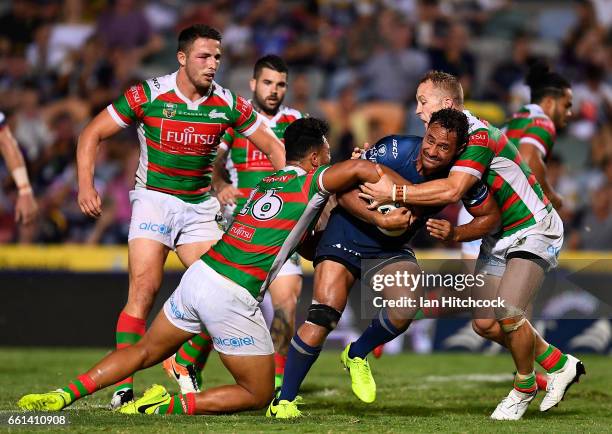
column 484, row 326
column 324, row 316
column 510, row 318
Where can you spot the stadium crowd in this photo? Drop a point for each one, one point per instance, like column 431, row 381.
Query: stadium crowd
column 354, row 62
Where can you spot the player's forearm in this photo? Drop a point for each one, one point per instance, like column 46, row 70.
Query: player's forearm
column 87, row 148
column 351, row 202
column 436, row 192
column 538, row 168
column 277, row 155
column 219, row 179
column 478, row 228
column 14, row 160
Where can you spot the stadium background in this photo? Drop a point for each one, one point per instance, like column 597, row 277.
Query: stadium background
column 355, row 63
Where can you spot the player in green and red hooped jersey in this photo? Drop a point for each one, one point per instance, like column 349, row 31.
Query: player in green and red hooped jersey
column 441, row 90
column 308, row 182
column 533, row 128
column 248, row 166
column 181, row 118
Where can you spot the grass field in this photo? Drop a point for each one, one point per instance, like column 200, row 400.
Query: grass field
column 441, row 392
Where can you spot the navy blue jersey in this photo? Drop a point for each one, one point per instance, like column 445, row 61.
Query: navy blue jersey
column 348, row 239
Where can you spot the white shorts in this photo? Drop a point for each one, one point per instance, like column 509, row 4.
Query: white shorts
column 468, row 248
column 543, row 239
column 291, row 267
column 167, row 219
column 205, row 299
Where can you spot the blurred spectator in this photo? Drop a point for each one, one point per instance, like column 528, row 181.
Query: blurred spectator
column 454, row 57
column 125, row 27
column 594, row 228
column 17, row 26
column 393, row 71
column 509, row 71
column 592, row 102
column 31, row 129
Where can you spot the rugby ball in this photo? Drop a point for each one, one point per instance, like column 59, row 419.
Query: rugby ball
column 384, row 209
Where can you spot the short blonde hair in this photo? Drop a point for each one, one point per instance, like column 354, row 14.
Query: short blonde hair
column 446, row 82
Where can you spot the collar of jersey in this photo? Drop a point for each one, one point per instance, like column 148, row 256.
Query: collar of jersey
column 271, row 122
column 298, row 169
column 192, row 105
column 535, row 109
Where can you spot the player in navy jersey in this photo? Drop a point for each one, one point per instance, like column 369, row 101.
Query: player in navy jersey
column 353, row 234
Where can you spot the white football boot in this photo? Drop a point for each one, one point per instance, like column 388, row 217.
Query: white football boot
column 560, row 381
column 513, row 406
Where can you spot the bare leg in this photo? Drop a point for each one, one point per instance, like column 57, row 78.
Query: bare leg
column 253, row 389
column 332, row 282
column 517, row 287
column 161, row 340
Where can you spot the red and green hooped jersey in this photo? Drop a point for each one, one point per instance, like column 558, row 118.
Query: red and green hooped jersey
column 531, row 125
column 246, row 164
column 490, row 156
column 178, row 137
column 278, row 213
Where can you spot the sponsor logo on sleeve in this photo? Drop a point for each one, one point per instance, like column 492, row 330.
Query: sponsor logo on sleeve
column 480, row 138
column 136, row 96
column 394, row 150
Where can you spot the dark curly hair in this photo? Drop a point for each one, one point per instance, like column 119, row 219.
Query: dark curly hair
column 453, row 120
column 302, row 136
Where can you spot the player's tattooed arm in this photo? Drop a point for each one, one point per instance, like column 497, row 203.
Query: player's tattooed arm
column 281, row 331
column 533, row 157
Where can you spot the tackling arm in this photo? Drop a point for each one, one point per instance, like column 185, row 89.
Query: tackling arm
column 437, row 192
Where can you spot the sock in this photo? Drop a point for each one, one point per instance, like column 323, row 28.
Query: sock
column 300, row 358
column 541, row 380
column 279, row 369
column 525, row 383
column 195, row 351
column 552, row 359
column 82, row 386
column 129, row 331
column 179, row 404
column 380, row 331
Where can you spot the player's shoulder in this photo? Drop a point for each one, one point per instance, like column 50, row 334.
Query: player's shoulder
column 539, row 119
column 157, row 86
column 226, row 95
column 394, row 147
column 476, row 124
column 290, row 113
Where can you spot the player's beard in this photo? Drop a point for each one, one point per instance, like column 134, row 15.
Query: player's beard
column 261, row 106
